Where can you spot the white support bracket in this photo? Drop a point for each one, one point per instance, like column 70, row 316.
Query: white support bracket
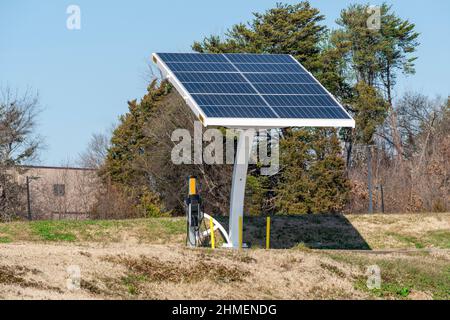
column 217, row 226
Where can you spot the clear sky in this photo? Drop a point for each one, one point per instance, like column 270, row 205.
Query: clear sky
column 85, row 77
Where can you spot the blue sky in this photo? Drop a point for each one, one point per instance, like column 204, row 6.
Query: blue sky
column 85, row 77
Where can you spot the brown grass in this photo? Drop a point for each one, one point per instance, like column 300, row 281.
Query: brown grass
column 154, row 269
column 125, row 271
column 18, row 275
column 146, row 259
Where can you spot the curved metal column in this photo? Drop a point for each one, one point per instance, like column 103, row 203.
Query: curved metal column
column 243, row 152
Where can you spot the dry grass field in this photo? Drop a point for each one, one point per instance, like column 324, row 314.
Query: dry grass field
column 314, row 257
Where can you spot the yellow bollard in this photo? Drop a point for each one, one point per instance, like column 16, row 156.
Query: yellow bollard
column 192, row 188
column 268, row 233
column 240, row 232
column 211, row 227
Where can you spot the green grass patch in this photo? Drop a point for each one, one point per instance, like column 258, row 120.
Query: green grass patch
column 401, row 276
column 439, row 238
column 407, row 239
column 132, row 282
column 386, row 289
column 173, row 226
column 5, row 240
column 146, row 230
column 312, row 231
column 435, row 238
column 164, row 229
column 52, row 230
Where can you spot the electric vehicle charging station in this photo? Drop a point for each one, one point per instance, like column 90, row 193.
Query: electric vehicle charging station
column 246, row 92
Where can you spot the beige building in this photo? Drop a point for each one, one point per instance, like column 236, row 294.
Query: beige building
column 59, row 192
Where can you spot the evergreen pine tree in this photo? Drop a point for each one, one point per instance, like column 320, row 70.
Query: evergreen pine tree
column 304, row 183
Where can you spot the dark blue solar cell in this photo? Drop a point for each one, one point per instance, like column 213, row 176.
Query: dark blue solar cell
column 299, row 100
column 216, row 85
column 200, row 67
column 219, row 88
column 238, row 112
column 289, row 88
column 269, row 67
column 210, row 77
column 228, row 100
column 192, row 57
column 279, row 78
column 311, row 112
column 259, row 58
column 326, row 100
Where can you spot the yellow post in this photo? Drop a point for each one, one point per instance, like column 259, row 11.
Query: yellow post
column 268, row 233
column 211, row 227
column 240, row 232
column 192, row 189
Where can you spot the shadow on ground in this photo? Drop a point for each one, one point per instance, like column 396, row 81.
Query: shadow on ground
column 324, row 231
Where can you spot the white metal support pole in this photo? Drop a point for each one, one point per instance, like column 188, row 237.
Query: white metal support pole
column 243, row 152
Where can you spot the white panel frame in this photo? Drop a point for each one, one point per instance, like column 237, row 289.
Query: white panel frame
column 255, row 123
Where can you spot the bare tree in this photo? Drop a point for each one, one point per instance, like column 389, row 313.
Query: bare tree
column 18, row 113
column 96, row 151
column 161, row 174
column 417, row 113
column 18, row 144
column 422, row 184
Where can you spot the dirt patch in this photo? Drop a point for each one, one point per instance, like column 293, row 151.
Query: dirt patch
column 156, row 270
column 93, row 287
column 18, row 276
column 9, row 275
column 333, row 269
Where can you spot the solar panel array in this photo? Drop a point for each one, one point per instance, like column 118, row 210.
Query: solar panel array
column 252, row 86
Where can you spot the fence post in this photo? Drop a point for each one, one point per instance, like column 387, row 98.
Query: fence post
column 369, row 177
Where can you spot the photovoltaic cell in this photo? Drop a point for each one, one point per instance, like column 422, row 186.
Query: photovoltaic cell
column 228, row 100
column 288, row 88
column 268, row 68
column 218, row 88
column 186, row 77
column 200, row 67
column 300, row 100
column 252, row 86
column 311, row 112
column 239, row 111
column 292, row 78
column 259, row 58
column 189, row 57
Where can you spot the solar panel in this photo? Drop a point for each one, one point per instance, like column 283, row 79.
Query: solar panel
column 251, row 90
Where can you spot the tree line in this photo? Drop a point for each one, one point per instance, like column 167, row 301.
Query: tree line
column 321, row 170
column 403, row 141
